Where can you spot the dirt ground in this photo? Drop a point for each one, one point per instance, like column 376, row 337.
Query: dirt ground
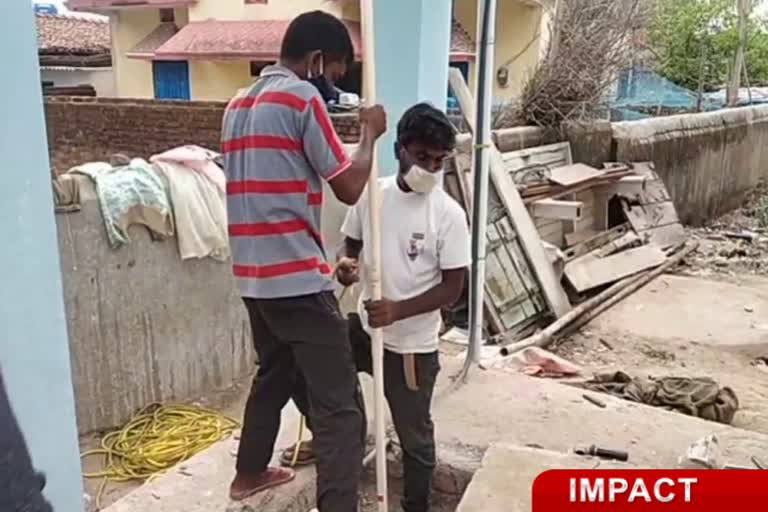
column 658, row 332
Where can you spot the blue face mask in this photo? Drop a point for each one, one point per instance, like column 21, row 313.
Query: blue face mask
column 326, row 88
column 322, row 84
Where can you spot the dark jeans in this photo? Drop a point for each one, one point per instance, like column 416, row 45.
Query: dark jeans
column 304, row 352
column 411, row 413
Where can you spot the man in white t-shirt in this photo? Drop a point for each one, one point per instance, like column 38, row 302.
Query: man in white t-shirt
column 425, row 252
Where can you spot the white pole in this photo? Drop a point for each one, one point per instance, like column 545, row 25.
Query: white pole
column 373, row 266
column 483, row 141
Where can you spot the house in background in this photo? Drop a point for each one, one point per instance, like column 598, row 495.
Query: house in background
column 522, row 28
column 73, row 52
column 208, row 49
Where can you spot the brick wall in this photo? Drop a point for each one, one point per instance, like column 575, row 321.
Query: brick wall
column 87, row 129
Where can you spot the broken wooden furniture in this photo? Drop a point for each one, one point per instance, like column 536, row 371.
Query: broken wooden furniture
column 521, row 284
column 607, row 224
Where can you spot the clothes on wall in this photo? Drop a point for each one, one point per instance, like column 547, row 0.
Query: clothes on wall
column 181, row 193
column 199, row 211
column 66, row 194
column 129, row 195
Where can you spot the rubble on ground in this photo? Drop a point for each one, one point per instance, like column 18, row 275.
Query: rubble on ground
column 737, row 243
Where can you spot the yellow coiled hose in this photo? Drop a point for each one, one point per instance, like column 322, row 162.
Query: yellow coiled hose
column 156, row 439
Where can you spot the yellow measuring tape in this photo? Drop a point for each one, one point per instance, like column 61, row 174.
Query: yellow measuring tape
column 156, row 439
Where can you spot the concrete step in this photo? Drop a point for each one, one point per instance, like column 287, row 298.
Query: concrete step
column 504, row 481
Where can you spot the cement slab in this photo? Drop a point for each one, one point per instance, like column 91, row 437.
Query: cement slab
column 500, row 407
column 504, row 481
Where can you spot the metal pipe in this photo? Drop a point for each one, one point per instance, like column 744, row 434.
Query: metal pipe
column 482, row 139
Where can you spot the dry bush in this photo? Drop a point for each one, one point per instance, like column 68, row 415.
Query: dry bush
column 591, row 43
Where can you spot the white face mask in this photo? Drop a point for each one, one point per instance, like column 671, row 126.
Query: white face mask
column 422, row 181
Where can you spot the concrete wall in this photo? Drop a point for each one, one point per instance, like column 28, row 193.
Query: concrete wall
column 144, row 326
column 133, row 77
column 708, row 161
column 102, row 79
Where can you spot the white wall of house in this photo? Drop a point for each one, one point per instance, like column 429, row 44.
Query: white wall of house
column 102, row 79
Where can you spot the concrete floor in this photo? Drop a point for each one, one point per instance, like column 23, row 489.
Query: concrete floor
column 502, row 407
column 494, row 407
column 694, row 309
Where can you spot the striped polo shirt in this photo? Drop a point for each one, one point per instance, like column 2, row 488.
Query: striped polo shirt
column 278, row 143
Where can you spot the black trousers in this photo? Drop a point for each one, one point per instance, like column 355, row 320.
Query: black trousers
column 304, row 352
column 411, row 413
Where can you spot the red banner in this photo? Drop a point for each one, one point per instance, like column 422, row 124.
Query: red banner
column 651, row 491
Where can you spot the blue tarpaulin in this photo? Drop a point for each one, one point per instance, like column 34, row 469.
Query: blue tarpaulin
column 641, row 92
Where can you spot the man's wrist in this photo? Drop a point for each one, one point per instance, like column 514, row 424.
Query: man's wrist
column 400, row 310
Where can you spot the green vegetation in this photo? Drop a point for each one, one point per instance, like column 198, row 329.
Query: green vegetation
column 695, row 41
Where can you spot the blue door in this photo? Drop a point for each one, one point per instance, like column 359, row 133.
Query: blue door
column 171, row 79
column 453, row 102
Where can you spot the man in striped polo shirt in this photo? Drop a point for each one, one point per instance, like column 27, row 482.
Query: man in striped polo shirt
column 278, row 144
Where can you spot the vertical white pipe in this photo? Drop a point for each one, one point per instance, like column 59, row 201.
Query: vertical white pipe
column 373, row 263
column 483, row 141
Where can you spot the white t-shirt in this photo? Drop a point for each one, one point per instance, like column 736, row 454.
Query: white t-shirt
column 421, row 235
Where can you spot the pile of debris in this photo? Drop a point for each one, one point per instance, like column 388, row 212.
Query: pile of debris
column 737, row 243
column 608, row 232
column 565, row 241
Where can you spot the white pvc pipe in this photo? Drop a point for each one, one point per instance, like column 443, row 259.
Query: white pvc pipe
column 481, row 171
column 373, row 263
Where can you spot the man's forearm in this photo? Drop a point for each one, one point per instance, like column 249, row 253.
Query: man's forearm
column 360, row 169
column 350, row 249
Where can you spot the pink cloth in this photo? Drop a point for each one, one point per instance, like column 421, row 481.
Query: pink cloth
column 539, row 362
column 197, row 158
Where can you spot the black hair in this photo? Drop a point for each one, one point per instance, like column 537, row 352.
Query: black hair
column 427, row 125
column 317, row 30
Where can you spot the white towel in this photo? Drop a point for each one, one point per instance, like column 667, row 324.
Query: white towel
column 200, row 212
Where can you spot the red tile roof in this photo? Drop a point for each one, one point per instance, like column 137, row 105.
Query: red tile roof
column 461, row 41
column 76, row 5
column 252, row 40
column 261, row 40
column 72, row 35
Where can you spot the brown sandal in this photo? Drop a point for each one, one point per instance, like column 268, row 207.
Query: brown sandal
column 245, row 486
column 306, row 455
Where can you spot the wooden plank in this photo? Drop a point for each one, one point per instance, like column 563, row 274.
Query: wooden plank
column 629, row 186
column 649, row 216
column 535, row 164
column 455, row 185
column 547, row 155
column 574, row 174
column 556, row 209
column 591, row 244
column 510, row 197
column 665, row 236
column 638, row 189
column 580, row 236
column 627, row 241
column 590, row 271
